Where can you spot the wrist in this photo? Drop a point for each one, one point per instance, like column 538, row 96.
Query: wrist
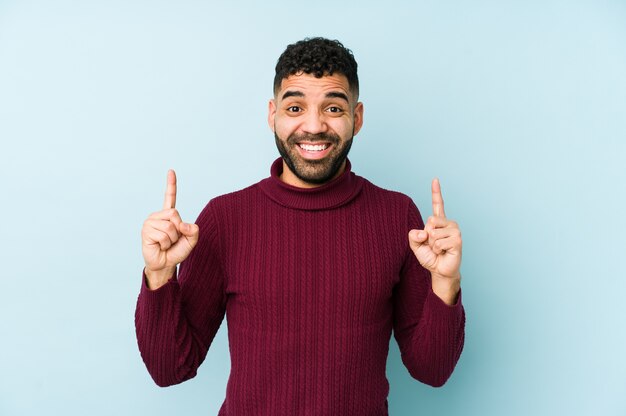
column 157, row 278
column 446, row 288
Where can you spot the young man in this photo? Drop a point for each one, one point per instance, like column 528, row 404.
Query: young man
column 313, row 266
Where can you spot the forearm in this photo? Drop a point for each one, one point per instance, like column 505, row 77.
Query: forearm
column 431, row 349
column 430, row 332
column 170, row 350
column 162, row 333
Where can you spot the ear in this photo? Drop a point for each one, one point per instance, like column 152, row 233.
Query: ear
column 358, row 117
column 271, row 113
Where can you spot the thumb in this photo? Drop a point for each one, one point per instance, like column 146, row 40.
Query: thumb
column 417, row 238
column 418, row 241
column 191, row 231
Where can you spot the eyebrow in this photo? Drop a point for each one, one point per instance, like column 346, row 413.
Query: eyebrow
column 336, row 94
column 332, row 94
column 288, row 94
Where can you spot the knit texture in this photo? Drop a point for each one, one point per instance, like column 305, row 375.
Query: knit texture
column 312, row 282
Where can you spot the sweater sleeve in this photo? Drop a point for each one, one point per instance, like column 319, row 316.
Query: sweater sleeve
column 430, row 333
column 176, row 323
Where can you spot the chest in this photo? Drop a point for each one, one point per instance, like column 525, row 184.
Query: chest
column 339, row 265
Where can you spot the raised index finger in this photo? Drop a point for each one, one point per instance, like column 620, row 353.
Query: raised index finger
column 437, row 199
column 170, row 190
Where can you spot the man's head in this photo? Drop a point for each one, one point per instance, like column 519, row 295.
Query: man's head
column 315, row 110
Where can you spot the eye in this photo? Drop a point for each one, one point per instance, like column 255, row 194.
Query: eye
column 334, row 109
column 294, row 109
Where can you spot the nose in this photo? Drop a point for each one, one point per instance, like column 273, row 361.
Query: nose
column 314, row 123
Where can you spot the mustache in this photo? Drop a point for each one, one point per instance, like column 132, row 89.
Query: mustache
column 312, row 138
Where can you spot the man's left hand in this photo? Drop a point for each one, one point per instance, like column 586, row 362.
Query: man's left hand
column 438, row 249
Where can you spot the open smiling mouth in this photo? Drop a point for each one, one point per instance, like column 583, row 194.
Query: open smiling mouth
column 314, row 150
column 314, row 147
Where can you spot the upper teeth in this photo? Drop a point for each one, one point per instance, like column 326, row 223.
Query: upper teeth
column 313, row 147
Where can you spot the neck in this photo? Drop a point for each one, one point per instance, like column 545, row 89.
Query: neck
column 332, row 194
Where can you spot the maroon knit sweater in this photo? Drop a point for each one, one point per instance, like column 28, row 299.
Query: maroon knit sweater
column 312, row 281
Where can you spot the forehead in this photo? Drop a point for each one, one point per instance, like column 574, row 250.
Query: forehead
column 310, row 85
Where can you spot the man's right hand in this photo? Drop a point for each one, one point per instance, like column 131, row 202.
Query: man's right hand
column 165, row 239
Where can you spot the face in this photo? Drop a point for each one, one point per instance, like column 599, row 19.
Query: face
column 314, row 121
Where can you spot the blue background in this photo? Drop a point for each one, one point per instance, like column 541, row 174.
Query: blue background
column 519, row 108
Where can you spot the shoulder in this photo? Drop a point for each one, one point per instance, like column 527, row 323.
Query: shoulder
column 390, row 200
column 230, row 202
column 235, row 197
column 387, row 196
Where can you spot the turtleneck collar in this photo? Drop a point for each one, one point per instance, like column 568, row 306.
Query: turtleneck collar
column 335, row 193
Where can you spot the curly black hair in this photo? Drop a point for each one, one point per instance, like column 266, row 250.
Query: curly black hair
column 317, row 56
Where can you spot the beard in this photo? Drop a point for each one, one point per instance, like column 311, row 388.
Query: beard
column 318, row 171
